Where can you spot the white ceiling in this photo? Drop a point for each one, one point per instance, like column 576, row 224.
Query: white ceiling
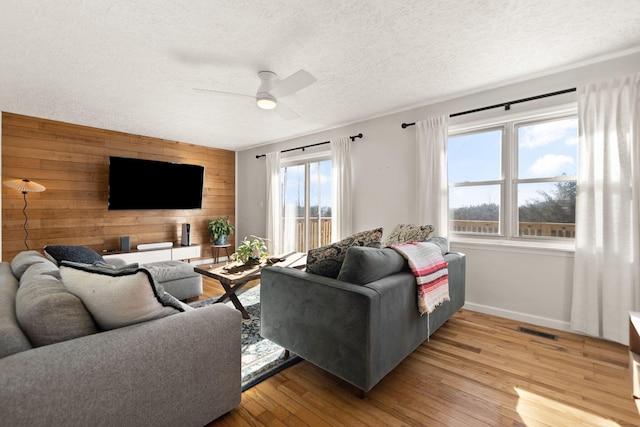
column 131, row 66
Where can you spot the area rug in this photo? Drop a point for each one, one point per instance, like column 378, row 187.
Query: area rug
column 261, row 358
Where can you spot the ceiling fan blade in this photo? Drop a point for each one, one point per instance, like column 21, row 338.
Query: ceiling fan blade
column 285, row 112
column 219, row 92
column 293, row 83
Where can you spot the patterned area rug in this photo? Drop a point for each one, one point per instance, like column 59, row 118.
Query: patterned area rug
column 261, row 358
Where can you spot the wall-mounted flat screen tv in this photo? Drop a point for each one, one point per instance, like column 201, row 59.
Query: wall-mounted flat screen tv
column 151, row 184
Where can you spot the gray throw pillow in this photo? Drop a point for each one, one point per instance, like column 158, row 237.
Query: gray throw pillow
column 364, row 265
column 12, row 337
column 48, row 313
column 327, row 260
column 24, row 260
column 80, row 254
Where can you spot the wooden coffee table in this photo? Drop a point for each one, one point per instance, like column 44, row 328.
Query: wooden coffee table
column 233, row 281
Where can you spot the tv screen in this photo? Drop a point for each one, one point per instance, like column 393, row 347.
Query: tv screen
column 151, row 184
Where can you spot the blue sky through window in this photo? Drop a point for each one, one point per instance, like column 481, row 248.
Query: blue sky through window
column 548, row 149
column 319, row 182
column 545, row 149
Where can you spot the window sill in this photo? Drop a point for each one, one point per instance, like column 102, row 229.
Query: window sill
column 521, row 246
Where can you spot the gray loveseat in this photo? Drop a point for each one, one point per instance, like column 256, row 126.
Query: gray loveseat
column 356, row 331
column 183, row 369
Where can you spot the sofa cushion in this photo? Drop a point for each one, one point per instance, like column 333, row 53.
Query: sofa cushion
column 12, row 339
column 403, row 233
column 364, row 265
column 44, row 267
column 81, row 254
column 327, row 260
column 24, row 260
column 48, row 313
column 118, row 297
column 440, row 241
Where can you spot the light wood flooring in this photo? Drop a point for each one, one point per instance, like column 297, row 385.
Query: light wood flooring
column 476, row 370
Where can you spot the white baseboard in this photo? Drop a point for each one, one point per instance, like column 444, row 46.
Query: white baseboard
column 521, row 317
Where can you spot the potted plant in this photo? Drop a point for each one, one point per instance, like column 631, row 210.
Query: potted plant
column 250, row 252
column 220, row 228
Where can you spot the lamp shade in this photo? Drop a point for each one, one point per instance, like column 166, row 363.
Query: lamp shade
column 25, row 185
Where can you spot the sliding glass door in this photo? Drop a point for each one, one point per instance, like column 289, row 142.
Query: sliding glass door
column 306, row 205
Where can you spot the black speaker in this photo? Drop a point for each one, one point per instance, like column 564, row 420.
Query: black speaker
column 186, row 235
column 125, row 244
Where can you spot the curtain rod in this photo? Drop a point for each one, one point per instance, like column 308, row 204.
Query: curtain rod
column 353, row 138
column 506, row 105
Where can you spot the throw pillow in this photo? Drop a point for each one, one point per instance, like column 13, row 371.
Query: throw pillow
column 364, row 265
column 81, row 254
column 119, row 297
column 403, row 233
column 48, row 313
column 327, row 260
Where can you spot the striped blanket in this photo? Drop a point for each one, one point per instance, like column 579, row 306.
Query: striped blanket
column 432, row 275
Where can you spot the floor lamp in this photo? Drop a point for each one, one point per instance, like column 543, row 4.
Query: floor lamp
column 25, row 186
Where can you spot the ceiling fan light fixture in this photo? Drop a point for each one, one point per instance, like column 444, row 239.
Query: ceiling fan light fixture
column 266, row 101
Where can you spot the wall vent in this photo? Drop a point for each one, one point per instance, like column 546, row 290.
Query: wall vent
column 538, row 333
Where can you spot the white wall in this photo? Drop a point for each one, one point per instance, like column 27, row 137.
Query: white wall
column 522, row 283
column 1, row 189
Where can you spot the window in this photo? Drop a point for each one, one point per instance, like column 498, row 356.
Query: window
column 306, row 204
column 514, row 179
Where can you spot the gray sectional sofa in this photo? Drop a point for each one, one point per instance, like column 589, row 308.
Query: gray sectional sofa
column 358, row 330
column 58, row 367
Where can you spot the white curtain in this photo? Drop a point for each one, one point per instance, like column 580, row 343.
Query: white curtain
column 341, row 209
column 432, row 188
column 274, row 215
column 606, row 276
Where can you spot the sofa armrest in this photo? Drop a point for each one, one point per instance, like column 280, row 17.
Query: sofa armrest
column 179, row 370
column 328, row 322
column 457, row 278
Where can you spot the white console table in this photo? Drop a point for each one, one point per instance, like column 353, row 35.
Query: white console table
column 176, row 253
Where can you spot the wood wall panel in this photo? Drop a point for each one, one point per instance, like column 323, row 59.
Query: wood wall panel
column 72, row 162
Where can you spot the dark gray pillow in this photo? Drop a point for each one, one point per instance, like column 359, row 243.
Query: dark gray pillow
column 327, row 260
column 364, row 265
column 80, row 254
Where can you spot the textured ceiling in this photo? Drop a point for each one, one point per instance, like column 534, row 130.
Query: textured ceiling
column 131, row 66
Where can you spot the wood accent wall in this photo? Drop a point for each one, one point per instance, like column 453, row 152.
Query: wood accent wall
column 71, row 161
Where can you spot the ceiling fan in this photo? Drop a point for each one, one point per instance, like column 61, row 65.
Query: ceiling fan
column 271, row 88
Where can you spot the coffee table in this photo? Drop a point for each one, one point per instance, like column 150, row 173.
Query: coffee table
column 232, row 281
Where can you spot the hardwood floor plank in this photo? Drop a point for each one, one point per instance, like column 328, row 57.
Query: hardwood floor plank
column 292, row 401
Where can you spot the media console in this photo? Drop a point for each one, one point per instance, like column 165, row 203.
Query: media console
column 176, row 253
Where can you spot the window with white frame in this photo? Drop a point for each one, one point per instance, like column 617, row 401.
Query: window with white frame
column 514, row 179
column 306, row 203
